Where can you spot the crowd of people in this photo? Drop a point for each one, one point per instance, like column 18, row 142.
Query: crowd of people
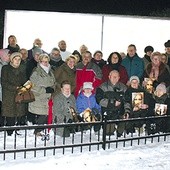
column 81, row 84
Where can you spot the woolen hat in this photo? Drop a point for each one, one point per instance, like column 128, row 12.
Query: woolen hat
column 87, row 85
column 161, row 87
column 167, row 44
column 36, row 50
column 15, row 54
column 148, row 48
column 134, row 78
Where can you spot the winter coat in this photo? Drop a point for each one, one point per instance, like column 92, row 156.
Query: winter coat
column 146, row 60
column 30, row 65
column 55, row 64
column 61, row 113
column 148, row 99
column 41, row 80
column 89, row 73
column 100, row 63
column 134, row 66
column 122, row 71
column 11, row 78
column 83, row 102
column 107, row 94
column 64, row 72
column 163, row 76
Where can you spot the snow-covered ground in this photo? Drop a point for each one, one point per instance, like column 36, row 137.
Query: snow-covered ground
column 155, row 156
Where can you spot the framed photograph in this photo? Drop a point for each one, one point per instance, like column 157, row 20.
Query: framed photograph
column 137, row 98
column 149, row 85
column 160, row 109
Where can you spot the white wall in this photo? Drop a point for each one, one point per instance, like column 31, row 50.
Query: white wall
column 78, row 29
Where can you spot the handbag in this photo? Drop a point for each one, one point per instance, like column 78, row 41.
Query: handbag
column 25, row 97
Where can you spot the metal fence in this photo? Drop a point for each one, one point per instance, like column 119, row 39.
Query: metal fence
column 24, row 143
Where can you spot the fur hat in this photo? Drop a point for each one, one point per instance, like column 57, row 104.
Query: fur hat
column 134, row 78
column 148, row 48
column 161, row 87
column 167, row 44
column 13, row 55
column 87, row 85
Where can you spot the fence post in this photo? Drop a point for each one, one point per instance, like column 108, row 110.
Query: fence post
column 104, row 130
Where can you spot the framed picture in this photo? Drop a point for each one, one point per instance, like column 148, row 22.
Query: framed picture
column 149, row 85
column 160, row 109
column 137, row 98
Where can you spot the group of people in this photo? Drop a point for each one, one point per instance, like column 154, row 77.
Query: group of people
column 82, row 85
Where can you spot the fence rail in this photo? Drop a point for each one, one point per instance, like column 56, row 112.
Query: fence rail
column 23, row 142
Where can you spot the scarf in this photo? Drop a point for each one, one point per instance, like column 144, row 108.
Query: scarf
column 45, row 68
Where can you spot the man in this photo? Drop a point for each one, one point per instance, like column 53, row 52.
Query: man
column 87, row 71
column 37, row 43
column 110, row 95
column 63, row 52
column 12, row 44
column 167, row 51
column 133, row 63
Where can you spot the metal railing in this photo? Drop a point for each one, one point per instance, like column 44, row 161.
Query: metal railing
column 24, row 143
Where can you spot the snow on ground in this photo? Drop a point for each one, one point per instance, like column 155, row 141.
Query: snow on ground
column 152, row 156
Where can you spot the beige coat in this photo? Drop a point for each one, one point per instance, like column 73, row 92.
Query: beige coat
column 41, row 80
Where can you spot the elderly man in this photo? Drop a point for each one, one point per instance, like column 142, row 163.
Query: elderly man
column 110, row 95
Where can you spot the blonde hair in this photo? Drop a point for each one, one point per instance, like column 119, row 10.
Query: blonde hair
column 42, row 56
column 156, row 54
column 71, row 57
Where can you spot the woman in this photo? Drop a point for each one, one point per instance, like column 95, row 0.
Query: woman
column 114, row 63
column 43, row 86
column 157, row 71
column 161, row 99
column 12, row 77
column 63, row 101
column 66, row 72
column 141, row 103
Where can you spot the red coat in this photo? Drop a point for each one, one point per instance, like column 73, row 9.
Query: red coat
column 89, row 73
column 122, row 71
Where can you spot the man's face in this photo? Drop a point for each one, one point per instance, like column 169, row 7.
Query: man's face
column 114, row 77
column 62, row 45
column 12, row 41
column 86, row 58
column 131, row 51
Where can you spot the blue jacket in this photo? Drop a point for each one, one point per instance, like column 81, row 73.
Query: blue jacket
column 134, row 67
column 83, row 102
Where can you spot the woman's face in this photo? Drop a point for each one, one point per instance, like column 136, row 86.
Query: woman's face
column 164, row 59
column 98, row 56
column 45, row 62
column 16, row 61
column 114, row 59
column 138, row 99
column 156, row 60
column 66, row 89
column 71, row 63
column 149, row 85
column 134, row 84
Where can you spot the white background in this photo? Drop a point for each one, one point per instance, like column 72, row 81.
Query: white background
column 78, row 29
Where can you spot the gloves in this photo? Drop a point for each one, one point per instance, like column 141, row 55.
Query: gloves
column 49, row 90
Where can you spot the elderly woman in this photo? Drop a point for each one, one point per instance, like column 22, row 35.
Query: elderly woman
column 114, row 63
column 12, row 77
column 157, row 71
column 43, row 86
column 141, row 103
column 66, row 72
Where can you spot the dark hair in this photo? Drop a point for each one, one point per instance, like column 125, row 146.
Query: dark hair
column 55, row 49
column 98, row 51
column 64, row 82
column 132, row 45
column 110, row 57
column 148, row 48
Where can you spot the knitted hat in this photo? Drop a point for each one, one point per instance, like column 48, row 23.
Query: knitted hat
column 36, row 50
column 15, row 54
column 161, row 87
column 134, row 78
column 87, row 85
column 148, row 48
